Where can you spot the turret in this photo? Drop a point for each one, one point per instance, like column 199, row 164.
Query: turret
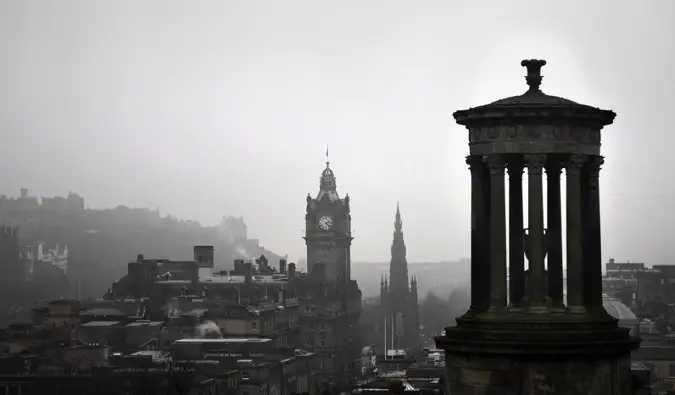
column 413, row 289
column 383, row 291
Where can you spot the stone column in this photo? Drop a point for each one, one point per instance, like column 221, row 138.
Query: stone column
column 592, row 251
column 554, row 234
column 497, row 232
column 575, row 258
column 516, row 253
column 535, row 243
column 480, row 263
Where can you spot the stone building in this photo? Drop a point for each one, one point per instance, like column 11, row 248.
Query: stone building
column 330, row 299
column 524, row 338
column 399, row 313
column 316, row 311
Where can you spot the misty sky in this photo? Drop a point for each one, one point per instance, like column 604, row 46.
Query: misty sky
column 207, row 108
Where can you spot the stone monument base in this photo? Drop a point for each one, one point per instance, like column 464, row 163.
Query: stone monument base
column 525, row 354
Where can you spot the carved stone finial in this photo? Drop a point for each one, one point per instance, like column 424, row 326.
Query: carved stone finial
column 533, row 77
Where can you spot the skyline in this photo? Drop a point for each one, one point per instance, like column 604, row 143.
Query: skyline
column 227, row 108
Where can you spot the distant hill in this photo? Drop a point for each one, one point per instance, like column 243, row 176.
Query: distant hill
column 102, row 242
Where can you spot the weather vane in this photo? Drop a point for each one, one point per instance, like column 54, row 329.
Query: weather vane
column 327, row 160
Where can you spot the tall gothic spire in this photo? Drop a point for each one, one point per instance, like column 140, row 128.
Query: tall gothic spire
column 398, row 269
column 398, row 225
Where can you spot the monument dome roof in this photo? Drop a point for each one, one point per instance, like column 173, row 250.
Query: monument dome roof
column 620, row 311
column 534, row 96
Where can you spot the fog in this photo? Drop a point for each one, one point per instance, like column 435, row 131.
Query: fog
column 209, row 108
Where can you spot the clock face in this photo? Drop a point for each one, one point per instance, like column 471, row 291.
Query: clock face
column 325, row 223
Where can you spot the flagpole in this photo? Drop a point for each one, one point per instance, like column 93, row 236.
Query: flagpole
column 385, row 336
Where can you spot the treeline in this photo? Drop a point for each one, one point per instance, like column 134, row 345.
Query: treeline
column 436, row 313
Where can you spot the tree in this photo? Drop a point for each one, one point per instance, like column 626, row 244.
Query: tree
column 459, row 301
column 435, row 314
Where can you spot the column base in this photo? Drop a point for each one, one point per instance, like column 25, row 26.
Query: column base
column 577, row 310
column 558, row 308
column 491, row 374
column 521, row 353
column 542, row 309
column 516, row 308
column 496, row 310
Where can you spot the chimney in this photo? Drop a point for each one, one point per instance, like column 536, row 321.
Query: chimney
column 282, row 297
column 291, row 270
column 239, row 266
column 282, row 266
column 248, row 272
column 140, row 258
column 203, row 255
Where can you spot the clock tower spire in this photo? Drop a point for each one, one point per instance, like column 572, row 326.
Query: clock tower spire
column 328, row 230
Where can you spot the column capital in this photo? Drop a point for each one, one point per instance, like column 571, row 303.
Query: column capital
column 575, row 163
column 474, row 162
column 594, row 165
column 496, row 163
column 535, row 163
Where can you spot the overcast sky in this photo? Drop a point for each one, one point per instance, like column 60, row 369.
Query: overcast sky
column 208, row 108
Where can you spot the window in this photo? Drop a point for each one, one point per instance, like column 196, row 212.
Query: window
column 245, row 375
column 254, row 325
column 671, row 370
column 321, row 326
column 322, row 342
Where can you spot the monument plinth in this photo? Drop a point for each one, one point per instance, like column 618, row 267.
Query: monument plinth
column 533, row 340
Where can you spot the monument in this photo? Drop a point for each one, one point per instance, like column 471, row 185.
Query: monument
column 533, row 340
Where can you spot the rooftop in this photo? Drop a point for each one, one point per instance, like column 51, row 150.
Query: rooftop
column 157, row 356
column 620, row 311
column 145, row 323
column 104, row 311
column 100, row 323
column 224, row 340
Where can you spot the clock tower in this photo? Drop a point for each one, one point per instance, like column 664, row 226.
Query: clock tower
column 328, row 232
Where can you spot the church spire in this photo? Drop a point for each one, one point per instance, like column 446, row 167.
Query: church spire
column 398, row 268
column 398, row 250
column 398, row 225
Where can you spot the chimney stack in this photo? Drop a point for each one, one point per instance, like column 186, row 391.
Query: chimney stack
column 239, row 266
column 203, row 255
column 291, row 270
column 248, row 272
column 282, row 266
